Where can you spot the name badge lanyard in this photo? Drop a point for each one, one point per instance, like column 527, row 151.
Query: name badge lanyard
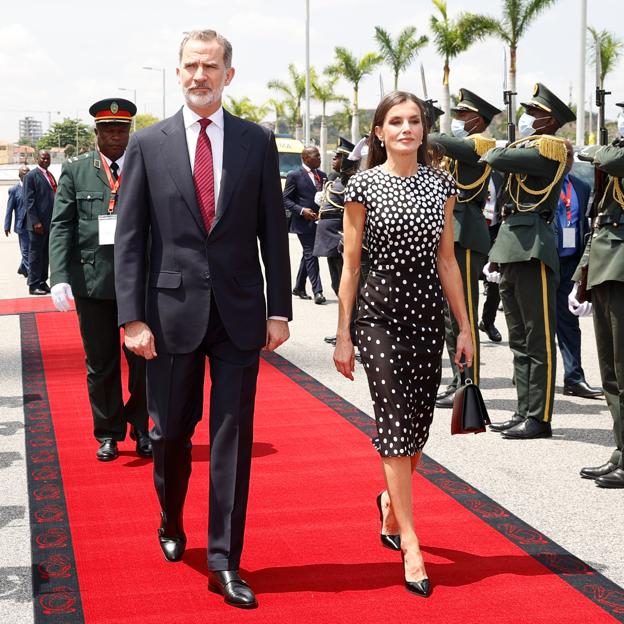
column 567, row 202
column 114, row 185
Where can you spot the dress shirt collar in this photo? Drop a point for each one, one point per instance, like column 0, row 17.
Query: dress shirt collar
column 306, row 168
column 119, row 161
column 44, row 171
column 191, row 117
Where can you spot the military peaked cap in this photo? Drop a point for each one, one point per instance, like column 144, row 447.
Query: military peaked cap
column 111, row 110
column 469, row 101
column 546, row 100
column 344, row 146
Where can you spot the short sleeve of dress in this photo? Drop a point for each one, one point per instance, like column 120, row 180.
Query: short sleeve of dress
column 450, row 186
column 356, row 189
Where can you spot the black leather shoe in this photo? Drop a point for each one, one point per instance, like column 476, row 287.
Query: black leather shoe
column 420, row 588
column 583, row 390
column 37, row 291
column 530, row 429
column 446, row 402
column 44, row 287
column 107, row 451
column 143, row 443
column 171, row 538
column 330, row 340
column 613, row 480
column 593, row 472
column 302, row 294
column 492, row 333
column 444, row 393
column 234, row 590
column 393, row 542
column 507, row 424
column 319, row 299
column 22, row 271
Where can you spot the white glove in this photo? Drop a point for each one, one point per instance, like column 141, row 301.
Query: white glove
column 318, row 196
column 61, row 294
column 575, row 306
column 491, row 276
column 356, row 154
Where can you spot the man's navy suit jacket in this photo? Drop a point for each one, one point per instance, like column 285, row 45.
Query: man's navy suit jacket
column 187, row 267
column 299, row 192
column 15, row 204
column 38, row 199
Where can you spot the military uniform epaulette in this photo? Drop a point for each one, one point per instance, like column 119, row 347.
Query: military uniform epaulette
column 80, row 157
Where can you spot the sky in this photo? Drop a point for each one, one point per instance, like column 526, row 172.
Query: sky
column 65, row 55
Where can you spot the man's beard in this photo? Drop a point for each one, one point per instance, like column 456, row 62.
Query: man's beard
column 201, row 100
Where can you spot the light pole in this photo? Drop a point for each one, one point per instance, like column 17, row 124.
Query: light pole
column 134, row 101
column 307, row 85
column 160, row 69
column 580, row 106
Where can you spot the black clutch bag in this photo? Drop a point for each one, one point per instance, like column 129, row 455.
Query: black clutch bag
column 469, row 412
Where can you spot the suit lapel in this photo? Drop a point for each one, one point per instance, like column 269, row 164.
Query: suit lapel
column 175, row 153
column 235, row 149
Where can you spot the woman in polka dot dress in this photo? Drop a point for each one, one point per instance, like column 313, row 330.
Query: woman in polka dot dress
column 403, row 206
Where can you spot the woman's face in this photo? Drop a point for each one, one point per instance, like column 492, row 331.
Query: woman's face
column 402, row 129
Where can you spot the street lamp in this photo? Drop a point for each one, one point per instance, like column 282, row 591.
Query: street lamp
column 135, row 101
column 160, row 69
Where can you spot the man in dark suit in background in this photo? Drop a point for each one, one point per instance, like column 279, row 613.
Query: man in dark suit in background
column 200, row 190
column 15, row 204
column 571, row 225
column 39, row 190
column 301, row 186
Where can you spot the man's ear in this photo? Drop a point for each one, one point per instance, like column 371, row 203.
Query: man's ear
column 229, row 75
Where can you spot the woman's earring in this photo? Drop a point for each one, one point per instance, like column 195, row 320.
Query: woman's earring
column 382, row 143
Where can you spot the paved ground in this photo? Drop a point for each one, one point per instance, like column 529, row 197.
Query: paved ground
column 537, row 480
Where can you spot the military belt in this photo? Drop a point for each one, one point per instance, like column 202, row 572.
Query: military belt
column 607, row 219
column 331, row 214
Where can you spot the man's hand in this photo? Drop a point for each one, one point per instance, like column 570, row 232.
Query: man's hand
column 491, row 276
column 61, row 294
column 277, row 334
column 309, row 214
column 575, row 306
column 139, row 339
column 38, row 229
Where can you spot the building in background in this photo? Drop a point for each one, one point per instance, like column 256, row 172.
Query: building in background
column 30, row 130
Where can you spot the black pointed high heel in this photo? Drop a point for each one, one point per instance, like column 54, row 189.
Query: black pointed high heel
column 393, row 542
column 420, row 588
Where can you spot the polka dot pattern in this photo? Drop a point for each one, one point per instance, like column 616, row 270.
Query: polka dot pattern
column 400, row 321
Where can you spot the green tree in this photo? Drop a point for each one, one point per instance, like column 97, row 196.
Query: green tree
column 143, row 120
column 245, row 108
column 353, row 70
column 68, row 132
column 399, row 54
column 324, row 92
column 452, row 37
column 279, row 110
column 610, row 47
column 293, row 92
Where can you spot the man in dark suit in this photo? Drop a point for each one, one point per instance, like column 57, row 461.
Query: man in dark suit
column 15, row 204
column 39, row 190
column 200, row 190
column 301, row 186
column 571, row 225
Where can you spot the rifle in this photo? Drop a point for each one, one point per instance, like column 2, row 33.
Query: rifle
column 429, row 112
column 509, row 103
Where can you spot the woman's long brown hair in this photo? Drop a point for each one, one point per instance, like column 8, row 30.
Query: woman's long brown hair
column 376, row 153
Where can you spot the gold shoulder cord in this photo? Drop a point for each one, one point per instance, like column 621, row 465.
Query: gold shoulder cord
column 329, row 188
column 481, row 145
column 618, row 194
column 550, row 147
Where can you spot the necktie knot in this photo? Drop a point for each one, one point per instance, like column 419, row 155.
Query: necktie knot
column 114, row 167
column 204, row 122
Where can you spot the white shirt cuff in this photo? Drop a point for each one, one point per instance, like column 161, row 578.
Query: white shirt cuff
column 278, row 318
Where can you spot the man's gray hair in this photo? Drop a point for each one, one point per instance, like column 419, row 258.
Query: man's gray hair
column 209, row 35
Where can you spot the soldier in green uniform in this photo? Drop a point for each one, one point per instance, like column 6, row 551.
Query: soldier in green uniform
column 603, row 265
column 81, row 263
column 526, row 251
column 464, row 150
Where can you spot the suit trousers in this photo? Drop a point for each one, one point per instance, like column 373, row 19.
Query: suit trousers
column 38, row 259
column 24, row 243
column 568, row 328
column 608, row 303
column 492, row 294
column 101, row 341
column 528, row 291
column 309, row 265
column 471, row 265
column 334, row 263
column 175, row 390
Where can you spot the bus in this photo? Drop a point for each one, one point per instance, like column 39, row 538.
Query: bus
column 289, row 151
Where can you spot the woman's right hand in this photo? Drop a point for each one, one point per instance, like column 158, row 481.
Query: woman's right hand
column 344, row 357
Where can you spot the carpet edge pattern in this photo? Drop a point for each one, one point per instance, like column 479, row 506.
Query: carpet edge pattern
column 569, row 568
column 56, row 592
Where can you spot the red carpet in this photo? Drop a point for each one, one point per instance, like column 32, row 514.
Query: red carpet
column 312, row 552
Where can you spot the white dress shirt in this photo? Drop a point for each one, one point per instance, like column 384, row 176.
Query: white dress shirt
column 45, row 175
column 119, row 162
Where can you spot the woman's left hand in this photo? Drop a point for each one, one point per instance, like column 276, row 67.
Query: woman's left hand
column 464, row 349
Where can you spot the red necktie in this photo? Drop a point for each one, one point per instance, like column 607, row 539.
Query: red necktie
column 203, row 175
column 52, row 181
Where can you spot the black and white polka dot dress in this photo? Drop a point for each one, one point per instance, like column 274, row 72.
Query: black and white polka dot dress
column 400, row 321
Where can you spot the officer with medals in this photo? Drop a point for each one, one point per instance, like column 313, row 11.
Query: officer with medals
column 602, row 272
column 328, row 236
column 81, row 263
column 464, row 149
column 526, row 252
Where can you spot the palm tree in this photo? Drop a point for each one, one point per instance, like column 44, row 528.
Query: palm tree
column 517, row 17
column 324, row 93
column 452, row 37
column 294, row 92
column 246, row 109
column 400, row 53
column 611, row 49
column 350, row 68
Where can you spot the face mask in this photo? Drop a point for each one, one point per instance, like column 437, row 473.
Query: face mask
column 458, row 128
column 525, row 125
column 620, row 124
